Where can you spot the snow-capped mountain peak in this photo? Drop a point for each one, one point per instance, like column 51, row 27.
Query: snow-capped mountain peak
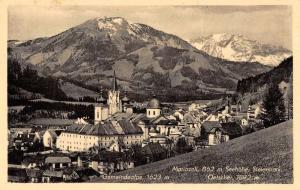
column 238, row 48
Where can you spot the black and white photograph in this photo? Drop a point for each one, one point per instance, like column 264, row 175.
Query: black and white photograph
column 181, row 94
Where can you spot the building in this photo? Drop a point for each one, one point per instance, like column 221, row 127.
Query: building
column 107, row 162
column 253, row 111
column 233, row 129
column 153, row 109
column 154, row 152
column 32, row 162
column 50, row 136
column 58, row 162
column 17, row 175
column 49, row 176
column 34, row 175
column 80, row 137
column 114, row 103
column 212, row 133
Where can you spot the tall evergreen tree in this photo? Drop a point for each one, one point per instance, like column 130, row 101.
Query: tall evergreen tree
column 273, row 105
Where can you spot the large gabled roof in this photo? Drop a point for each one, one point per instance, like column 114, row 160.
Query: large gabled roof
column 232, row 128
column 211, row 126
column 121, row 127
column 59, row 159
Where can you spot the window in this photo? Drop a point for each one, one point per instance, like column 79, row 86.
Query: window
column 153, row 112
column 98, row 114
column 149, row 112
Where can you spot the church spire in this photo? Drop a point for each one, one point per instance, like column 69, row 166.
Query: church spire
column 115, row 85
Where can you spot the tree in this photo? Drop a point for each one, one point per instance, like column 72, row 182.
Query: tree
column 290, row 98
column 182, row 146
column 273, row 105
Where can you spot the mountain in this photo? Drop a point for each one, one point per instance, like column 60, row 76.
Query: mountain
column 239, row 48
column 145, row 60
column 267, row 149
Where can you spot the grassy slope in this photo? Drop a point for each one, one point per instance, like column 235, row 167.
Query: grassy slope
column 71, row 90
column 270, row 147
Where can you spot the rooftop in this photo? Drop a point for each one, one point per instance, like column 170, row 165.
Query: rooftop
column 59, row 159
column 153, row 104
column 121, row 127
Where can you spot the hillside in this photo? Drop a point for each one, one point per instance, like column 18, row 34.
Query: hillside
column 280, row 73
column 145, row 59
column 270, row 149
column 238, row 48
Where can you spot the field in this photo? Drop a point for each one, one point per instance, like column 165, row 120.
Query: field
column 265, row 156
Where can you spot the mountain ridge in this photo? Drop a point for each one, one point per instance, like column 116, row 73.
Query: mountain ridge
column 236, row 47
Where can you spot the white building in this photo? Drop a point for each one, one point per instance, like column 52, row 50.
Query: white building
column 78, row 137
column 50, row 137
column 153, row 108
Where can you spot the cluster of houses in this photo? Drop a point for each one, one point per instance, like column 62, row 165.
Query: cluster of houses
column 80, row 150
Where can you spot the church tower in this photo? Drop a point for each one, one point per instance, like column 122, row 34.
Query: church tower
column 101, row 110
column 114, row 101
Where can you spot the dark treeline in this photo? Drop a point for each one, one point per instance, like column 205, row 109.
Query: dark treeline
column 28, row 79
column 280, row 73
column 77, row 110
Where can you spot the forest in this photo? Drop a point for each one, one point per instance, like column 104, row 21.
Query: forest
column 280, row 73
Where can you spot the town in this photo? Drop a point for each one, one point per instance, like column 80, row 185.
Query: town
column 120, row 138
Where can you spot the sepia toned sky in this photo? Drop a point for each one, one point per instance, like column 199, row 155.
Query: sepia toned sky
column 267, row 24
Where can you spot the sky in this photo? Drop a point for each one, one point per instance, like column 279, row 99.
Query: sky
column 266, row 24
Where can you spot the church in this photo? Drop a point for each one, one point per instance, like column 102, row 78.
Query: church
column 109, row 134
column 106, row 108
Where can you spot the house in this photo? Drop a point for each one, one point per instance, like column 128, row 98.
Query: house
column 49, row 176
column 253, row 111
column 34, row 175
column 50, row 136
column 20, row 145
column 17, row 175
column 86, row 174
column 192, row 119
column 24, row 141
column 179, row 115
column 32, row 162
column 153, row 152
column 20, row 130
column 212, row 133
column 235, row 109
column 233, row 129
column 58, row 162
column 163, row 140
column 175, row 133
column 107, row 162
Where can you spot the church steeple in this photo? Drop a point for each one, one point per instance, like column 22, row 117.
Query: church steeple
column 114, row 101
column 115, row 85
